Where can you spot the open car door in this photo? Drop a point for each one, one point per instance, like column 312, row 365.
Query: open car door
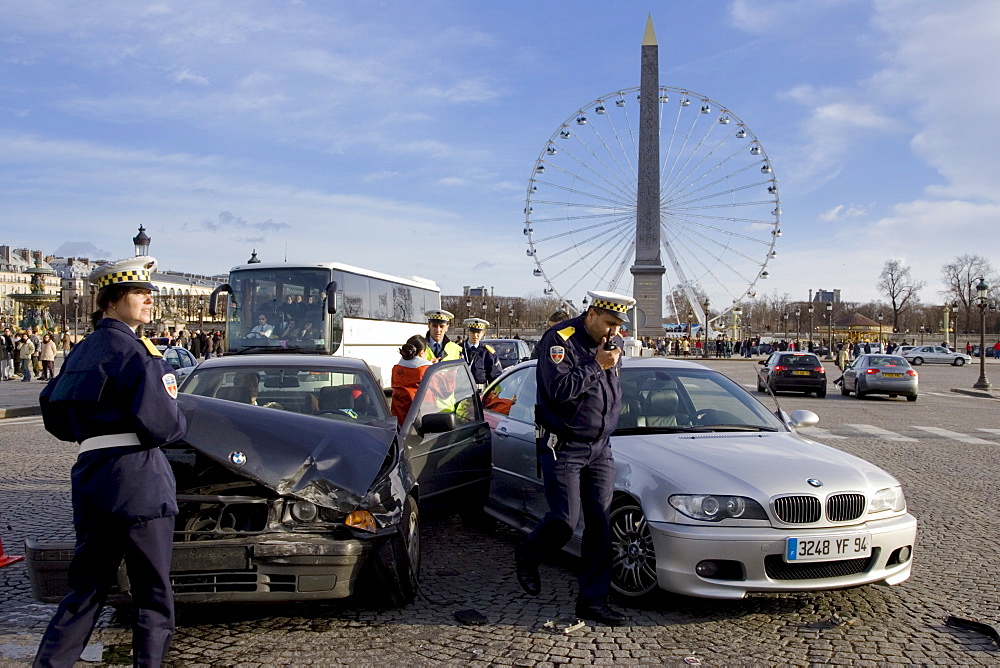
column 445, row 438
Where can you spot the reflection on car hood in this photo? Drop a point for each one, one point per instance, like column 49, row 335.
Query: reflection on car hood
column 758, row 465
column 330, row 463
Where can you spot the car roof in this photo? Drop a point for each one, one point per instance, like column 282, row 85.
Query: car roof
column 643, row 362
column 280, row 360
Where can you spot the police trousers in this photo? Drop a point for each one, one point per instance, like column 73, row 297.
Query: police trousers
column 100, row 547
column 579, row 481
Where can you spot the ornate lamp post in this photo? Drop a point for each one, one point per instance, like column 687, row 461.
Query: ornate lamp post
column 982, row 298
column 829, row 329
column 798, row 328
column 879, row 316
column 484, row 309
column 704, row 346
column 510, row 323
column 496, row 308
column 784, row 331
column 468, row 307
column 141, row 242
column 810, row 309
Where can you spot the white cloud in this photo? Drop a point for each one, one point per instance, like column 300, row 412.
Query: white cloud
column 186, row 76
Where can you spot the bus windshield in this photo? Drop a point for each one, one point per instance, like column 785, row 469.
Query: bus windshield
column 283, row 308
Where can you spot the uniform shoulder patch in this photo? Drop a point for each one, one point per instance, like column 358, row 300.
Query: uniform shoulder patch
column 170, row 384
column 566, row 332
column 557, row 354
column 150, row 347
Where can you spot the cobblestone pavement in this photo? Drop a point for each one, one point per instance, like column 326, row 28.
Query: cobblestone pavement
column 951, row 487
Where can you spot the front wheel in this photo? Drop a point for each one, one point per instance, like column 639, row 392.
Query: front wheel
column 959, row 361
column 633, row 564
column 389, row 576
column 911, row 397
column 917, row 361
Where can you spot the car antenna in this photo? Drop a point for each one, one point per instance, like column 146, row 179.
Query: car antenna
column 773, row 396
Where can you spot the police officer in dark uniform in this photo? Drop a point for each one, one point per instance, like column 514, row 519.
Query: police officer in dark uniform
column 482, row 359
column 579, row 399
column 117, row 398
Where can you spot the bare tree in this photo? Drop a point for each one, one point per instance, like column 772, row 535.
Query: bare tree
column 960, row 279
column 896, row 283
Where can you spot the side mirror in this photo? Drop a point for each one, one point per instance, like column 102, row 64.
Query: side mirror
column 437, row 423
column 801, row 418
column 331, row 297
column 762, row 362
column 213, row 299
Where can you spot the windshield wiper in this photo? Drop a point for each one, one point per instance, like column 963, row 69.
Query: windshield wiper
column 626, row 431
column 737, row 427
column 247, row 350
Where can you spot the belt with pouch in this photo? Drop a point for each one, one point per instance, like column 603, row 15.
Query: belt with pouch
column 108, row 441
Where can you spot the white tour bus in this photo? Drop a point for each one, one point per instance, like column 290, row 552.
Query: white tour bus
column 324, row 309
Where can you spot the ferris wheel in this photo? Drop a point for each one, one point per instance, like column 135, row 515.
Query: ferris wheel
column 719, row 205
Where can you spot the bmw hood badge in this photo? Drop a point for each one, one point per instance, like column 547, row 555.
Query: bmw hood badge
column 238, row 458
column 812, row 481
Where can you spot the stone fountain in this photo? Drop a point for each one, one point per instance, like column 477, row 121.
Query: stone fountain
column 34, row 303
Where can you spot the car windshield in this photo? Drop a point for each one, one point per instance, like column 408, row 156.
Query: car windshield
column 309, row 389
column 688, row 400
column 799, row 360
column 505, row 350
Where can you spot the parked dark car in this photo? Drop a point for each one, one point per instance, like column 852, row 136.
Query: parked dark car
column 792, row 372
column 294, row 483
column 510, row 351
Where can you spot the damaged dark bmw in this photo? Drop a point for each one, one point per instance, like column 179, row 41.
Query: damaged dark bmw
column 294, row 483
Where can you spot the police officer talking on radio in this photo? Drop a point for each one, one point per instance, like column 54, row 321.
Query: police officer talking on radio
column 579, row 399
column 117, row 398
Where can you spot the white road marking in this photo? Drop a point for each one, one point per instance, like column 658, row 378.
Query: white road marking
column 954, row 435
column 989, row 431
column 817, row 432
column 884, row 434
column 31, row 419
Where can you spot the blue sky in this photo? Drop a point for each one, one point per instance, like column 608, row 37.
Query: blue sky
column 400, row 136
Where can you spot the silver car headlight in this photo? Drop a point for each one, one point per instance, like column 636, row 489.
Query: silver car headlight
column 890, row 498
column 715, row 507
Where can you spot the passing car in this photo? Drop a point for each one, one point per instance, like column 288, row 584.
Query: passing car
column 792, row 372
column 715, row 496
column 180, row 359
column 935, row 355
column 295, row 483
column 880, row 374
column 509, row 351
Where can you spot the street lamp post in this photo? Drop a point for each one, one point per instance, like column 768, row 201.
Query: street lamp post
column 809, row 346
column 704, row 345
column 879, row 316
column 510, row 323
column 468, row 307
column 690, row 334
column 829, row 329
column 784, row 331
column 76, row 317
column 497, row 309
column 798, row 328
column 982, row 297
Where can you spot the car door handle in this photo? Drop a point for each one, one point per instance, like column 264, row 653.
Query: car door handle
column 501, row 432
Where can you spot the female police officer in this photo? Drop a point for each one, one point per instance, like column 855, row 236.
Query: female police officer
column 116, row 397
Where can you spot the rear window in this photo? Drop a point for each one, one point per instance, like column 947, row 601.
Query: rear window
column 800, row 360
column 885, row 360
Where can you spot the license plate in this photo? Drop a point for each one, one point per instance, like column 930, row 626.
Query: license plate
column 892, row 375
column 800, row 373
column 828, row 548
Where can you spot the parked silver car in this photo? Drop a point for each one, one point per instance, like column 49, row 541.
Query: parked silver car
column 935, row 355
column 880, row 374
column 180, row 358
column 714, row 496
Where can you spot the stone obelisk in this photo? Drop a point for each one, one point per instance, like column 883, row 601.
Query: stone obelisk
column 648, row 270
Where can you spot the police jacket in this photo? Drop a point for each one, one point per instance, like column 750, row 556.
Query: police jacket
column 452, row 351
column 483, row 363
column 577, row 400
column 113, row 383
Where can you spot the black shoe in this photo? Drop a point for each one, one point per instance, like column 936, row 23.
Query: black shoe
column 526, row 570
column 600, row 613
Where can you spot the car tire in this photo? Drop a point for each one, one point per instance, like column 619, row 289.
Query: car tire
column 633, row 561
column 911, row 397
column 917, row 361
column 844, row 392
column 388, row 578
column 859, row 393
column 959, row 361
column 760, row 385
column 820, row 394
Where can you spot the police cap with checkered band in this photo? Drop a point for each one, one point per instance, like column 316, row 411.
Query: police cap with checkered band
column 615, row 304
column 135, row 272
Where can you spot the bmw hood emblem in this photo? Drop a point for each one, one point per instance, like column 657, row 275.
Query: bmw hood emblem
column 812, row 481
column 238, row 458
